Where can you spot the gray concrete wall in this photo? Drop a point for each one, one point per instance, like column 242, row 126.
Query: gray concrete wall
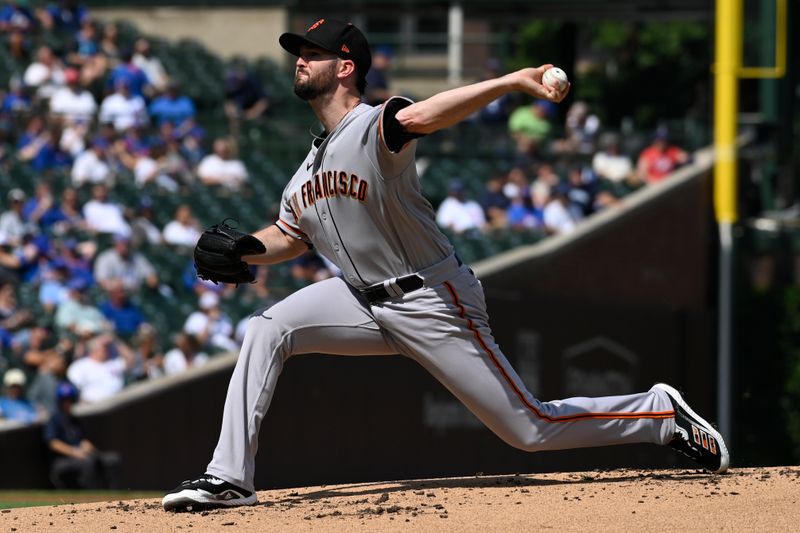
column 252, row 32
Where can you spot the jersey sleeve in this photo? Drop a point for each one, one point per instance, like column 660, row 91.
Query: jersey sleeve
column 288, row 221
column 394, row 147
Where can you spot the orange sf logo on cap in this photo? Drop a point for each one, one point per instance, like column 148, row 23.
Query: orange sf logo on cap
column 316, row 25
column 345, row 49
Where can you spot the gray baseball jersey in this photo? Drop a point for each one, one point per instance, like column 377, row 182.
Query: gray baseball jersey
column 359, row 203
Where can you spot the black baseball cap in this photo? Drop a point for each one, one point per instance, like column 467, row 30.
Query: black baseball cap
column 335, row 36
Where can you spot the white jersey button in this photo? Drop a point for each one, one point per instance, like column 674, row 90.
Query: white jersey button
column 336, row 247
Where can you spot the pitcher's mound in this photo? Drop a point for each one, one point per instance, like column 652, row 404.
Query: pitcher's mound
column 755, row 499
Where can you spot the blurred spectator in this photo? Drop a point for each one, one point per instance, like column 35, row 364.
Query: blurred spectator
column 103, row 215
column 173, row 107
column 19, row 50
column 49, row 360
column 558, row 218
column 69, row 215
column 53, row 290
column 244, row 95
column 516, row 185
column 41, row 146
column 582, row 191
column 86, row 45
column 92, row 165
column 129, row 74
column 77, row 314
column 46, row 74
column 10, row 261
column 13, row 405
column 183, row 229
column 109, row 43
column 143, row 226
column 73, row 137
column 149, row 358
column 73, row 102
column 659, row 159
column 153, row 165
column 76, row 462
column 220, row 168
column 77, row 257
column 100, row 374
column 13, row 226
column 66, row 16
column 309, row 268
column 191, row 148
column 520, row 215
column 16, row 101
column 123, row 108
column 13, row 317
column 210, row 325
column 15, row 17
column 498, row 110
column 150, row 65
column 494, row 202
column 581, row 130
column 529, row 125
column 458, row 214
column 124, row 315
column 608, row 163
column 378, row 76
column 186, row 354
column 120, row 263
column 540, row 197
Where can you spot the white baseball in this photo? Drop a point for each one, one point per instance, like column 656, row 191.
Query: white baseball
column 555, row 78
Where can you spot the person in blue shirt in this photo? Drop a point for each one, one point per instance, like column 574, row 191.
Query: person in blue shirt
column 76, row 462
column 128, row 73
column 120, row 311
column 66, row 16
column 16, row 18
column 13, row 406
column 172, row 107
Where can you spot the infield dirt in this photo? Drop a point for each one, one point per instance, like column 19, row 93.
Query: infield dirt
column 757, row 499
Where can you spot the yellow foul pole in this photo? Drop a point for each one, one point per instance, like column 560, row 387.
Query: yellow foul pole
column 726, row 106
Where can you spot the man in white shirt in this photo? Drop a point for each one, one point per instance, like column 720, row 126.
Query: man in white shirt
column 104, row 216
column 219, row 168
column 558, row 218
column 72, row 102
column 46, row 74
column 123, row 109
column 183, row 230
column 185, row 355
column 458, row 214
column 608, row 163
column 210, row 325
column 91, row 167
column 97, row 375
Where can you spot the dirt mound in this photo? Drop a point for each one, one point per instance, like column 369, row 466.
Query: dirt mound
column 759, row 499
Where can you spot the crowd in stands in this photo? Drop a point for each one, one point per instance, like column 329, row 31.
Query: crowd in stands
column 95, row 113
column 553, row 181
column 82, row 118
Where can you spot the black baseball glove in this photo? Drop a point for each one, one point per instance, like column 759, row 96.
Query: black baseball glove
column 218, row 254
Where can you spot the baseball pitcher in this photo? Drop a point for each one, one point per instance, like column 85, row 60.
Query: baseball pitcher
column 356, row 198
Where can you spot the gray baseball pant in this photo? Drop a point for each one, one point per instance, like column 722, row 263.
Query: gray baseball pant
column 444, row 327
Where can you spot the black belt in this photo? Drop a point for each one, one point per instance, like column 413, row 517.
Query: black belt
column 410, row 283
column 407, row 284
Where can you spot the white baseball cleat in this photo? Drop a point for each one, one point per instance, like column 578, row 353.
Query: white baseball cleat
column 206, row 492
column 694, row 437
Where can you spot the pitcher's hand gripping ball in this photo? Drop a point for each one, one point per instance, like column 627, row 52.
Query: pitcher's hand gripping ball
column 218, row 254
column 555, row 78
